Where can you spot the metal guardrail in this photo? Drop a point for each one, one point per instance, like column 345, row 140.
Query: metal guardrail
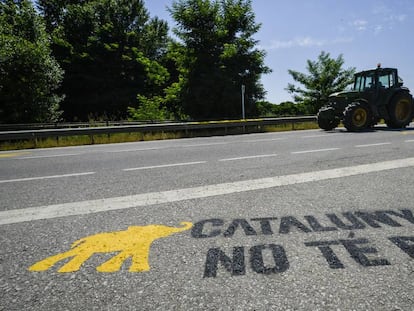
column 159, row 127
column 66, row 125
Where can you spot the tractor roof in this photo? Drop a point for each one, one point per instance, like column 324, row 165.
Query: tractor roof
column 379, row 69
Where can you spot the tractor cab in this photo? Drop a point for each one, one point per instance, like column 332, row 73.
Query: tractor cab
column 377, row 79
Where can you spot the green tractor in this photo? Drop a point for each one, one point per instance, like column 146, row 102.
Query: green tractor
column 377, row 94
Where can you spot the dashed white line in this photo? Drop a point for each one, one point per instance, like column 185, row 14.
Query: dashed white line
column 249, row 157
column 162, row 166
column 135, row 150
column 49, row 156
column 409, row 141
column 262, row 140
column 315, row 150
column 44, row 177
column 372, row 145
column 316, row 136
column 202, row 145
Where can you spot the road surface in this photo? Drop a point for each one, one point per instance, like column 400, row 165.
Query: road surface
column 305, row 220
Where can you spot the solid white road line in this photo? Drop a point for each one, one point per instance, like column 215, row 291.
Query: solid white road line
column 153, row 198
column 162, row 166
column 249, row 157
column 315, row 150
column 409, row 141
column 44, row 177
column 372, row 145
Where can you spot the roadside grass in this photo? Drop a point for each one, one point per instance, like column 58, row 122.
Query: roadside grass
column 64, row 141
column 291, row 127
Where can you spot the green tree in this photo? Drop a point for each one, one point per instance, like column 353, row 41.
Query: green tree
column 150, row 109
column 29, row 75
column 283, row 109
column 326, row 76
column 111, row 51
column 265, row 109
column 217, row 55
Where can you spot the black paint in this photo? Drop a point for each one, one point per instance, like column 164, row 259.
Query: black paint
column 358, row 253
column 316, row 226
column 328, row 253
column 406, row 243
column 405, row 214
column 374, row 218
column 289, row 221
column 248, row 230
column 215, row 255
column 355, row 222
column 265, row 224
column 198, row 229
column 279, row 257
column 215, row 227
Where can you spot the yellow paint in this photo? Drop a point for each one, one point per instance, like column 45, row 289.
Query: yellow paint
column 134, row 242
column 12, row 154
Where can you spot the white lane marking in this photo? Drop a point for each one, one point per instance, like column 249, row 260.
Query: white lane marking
column 249, row 157
column 134, row 150
column 153, row 198
column 409, row 141
column 44, row 177
column 49, row 156
column 316, row 136
column 198, row 145
column 262, row 140
column 162, row 166
column 201, row 145
column 315, row 150
column 372, row 145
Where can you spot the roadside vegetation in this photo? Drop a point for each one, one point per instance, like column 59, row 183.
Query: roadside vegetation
column 147, row 136
column 110, row 60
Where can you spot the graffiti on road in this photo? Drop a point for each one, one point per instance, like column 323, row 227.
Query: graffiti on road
column 132, row 243
column 135, row 243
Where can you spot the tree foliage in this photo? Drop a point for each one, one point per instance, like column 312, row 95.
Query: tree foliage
column 29, row 75
column 111, row 51
column 284, row 109
column 150, row 109
column 216, row 56
column 326, row 76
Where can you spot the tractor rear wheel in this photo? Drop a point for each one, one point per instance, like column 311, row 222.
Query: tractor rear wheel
column 357, row 117
column 400, row 110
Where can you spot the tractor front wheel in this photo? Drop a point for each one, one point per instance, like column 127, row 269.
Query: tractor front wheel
column 357, row 117
column 326, row 119
column 400, row 110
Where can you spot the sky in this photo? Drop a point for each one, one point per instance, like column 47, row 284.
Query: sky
column 365, row 32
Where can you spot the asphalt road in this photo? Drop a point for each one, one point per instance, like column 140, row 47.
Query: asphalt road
column 306, row 220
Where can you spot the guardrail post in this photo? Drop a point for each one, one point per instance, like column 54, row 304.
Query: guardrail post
column 34, row 139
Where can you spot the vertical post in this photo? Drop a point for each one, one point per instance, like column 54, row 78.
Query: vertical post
column 243, row 89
